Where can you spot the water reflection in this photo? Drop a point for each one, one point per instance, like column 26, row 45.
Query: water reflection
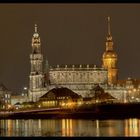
column 67, row 127
column 97, row 128
column 70, row 127
column 132, row 127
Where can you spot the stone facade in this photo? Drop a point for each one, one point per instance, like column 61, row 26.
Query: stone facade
column 77, row 75
column 78, row 78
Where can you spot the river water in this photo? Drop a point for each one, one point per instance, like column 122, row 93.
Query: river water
column 70, row 127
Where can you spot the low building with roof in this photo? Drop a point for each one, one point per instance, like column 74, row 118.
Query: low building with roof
column 99, row 95
column 57, row 97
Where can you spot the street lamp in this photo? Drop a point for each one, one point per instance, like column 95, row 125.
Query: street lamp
column 25, row 88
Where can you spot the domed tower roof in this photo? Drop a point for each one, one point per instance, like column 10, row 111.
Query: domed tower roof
column 109, row 54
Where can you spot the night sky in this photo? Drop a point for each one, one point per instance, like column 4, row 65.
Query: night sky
column 70, row 34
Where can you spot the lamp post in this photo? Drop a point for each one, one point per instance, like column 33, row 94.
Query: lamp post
column 25, row 90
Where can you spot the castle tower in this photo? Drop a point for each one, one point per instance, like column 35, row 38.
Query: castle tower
column 36, row 75
column 110, row 58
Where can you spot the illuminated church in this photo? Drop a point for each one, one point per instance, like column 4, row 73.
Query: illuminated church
column 79, row 78
column 110, row 58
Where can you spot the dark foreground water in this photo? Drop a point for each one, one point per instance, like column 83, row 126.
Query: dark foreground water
column 70, row 127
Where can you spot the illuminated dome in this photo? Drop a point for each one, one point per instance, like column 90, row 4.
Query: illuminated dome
column 109, row 54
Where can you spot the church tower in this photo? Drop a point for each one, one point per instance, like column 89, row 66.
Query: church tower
column 110, row 58
column 36, row 74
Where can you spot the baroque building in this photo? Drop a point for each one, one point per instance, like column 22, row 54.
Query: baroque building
column 81, row 79
column 78, row 78
column 110, row 58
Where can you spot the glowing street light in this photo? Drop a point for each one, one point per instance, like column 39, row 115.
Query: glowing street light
column 9, row 106
column 132, row 97
column 25, row 88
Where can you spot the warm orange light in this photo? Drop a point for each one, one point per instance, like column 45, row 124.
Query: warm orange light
column 134, row 90
column 9, row 106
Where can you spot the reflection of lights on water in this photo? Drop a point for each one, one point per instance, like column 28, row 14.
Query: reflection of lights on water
column 17, row 124
column 67, row 127
column 97, row 123
column 132, row 127
column 63, row 127
column 39, row 123
column 97, row 128
column 9, row 124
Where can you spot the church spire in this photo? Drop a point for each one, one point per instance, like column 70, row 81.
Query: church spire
column 35, row 28
column 110, row 57
column 36, row 34
column 36, row 43
column 108, row 19
column 109, row 37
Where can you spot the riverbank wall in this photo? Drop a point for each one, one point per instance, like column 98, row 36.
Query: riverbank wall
column 101, row 111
